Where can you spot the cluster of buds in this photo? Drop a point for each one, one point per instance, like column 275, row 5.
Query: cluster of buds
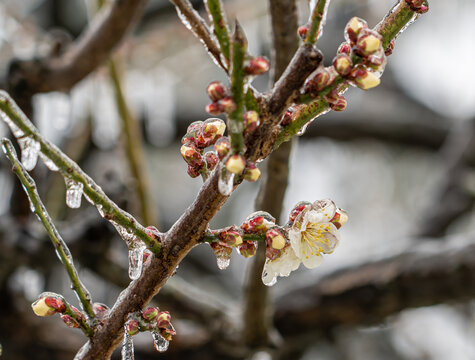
column 236, row 164
column 200, row 135
column 220, row 99
column 418, row 6
column 154, row 320
column 228, row 238
column 256, row 66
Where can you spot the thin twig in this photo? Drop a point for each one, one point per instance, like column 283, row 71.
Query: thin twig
column 39, row 209
column 317, row 21
column 220, row 25
column 71, row 170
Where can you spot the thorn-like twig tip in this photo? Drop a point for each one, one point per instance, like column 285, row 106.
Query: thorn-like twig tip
column 239, row 36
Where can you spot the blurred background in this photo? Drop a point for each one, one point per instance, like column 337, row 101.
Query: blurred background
column 400, row 160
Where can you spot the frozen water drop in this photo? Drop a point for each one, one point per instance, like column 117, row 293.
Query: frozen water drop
column 136, row 260
column 127, row 347
column 226, row 182
column 48, row 162
column 30, row 150
column 223, row 262
column 159, row 342
column 125, row 233
column 267, row 280
column 73, row 193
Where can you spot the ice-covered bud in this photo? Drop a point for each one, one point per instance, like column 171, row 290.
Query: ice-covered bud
column 353, row 28
column 163, row 319
column 193, row 171
column 340, row 218
column 227, row 105
column 216, row 91
column 303, row 30
column 252, row 173
column 272, row 253
column 344, row 48
column 152, row 232
column 275, row 239
column 222, row 147
column 317, row 82
column 190, row 153
column 389, row 49
column 236, row 164
column 150, row 313
column 192, row 132
column 48, row 304
column 69, row 321
column 231, row 237
column 339, row 105
column 211, row 131
column 100, row 310
column 132, row 327
column 214, row 109
column 286, row 118
column 297, row 209
column 257, row 66
column 247, row 249
column 251, row 121
column 258, row 222
column 364, row 79
column 221, row 250
column 342, row 64
column 419, row 6
column 211, row 159
column 332, row 96
column 368, row 42
column 168, row 333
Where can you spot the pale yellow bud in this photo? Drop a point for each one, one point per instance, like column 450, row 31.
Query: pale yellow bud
column 236, row 164
column 278, row 242
column 41, row 309
column 369, row 81
column 372, row 44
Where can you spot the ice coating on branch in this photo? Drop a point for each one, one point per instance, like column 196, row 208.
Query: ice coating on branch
column 73, row 193
column 30, row 150
column 159, row 342
column 16, row 131
column 226, row 182
column 312, row 4
column 127, row 347
column 136, row 260
column 48, row 162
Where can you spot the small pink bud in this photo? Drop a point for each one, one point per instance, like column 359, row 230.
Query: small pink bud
column 190, row 154
column 236, row 164
column 192, row 132
column 152, row 232
column 41, row 309
column 344, row 48
column 168, row 332
column 211, row 131
column 247, row 249
column 216, row 91
column 340, row 218
column 252, row 173
column 332, row 96
column 389, row 49
column 231, row 237
column 353, row 28
column 339, row 105
column 48, row 303
column 193, row 171
column 419, row 6
column 342, row 64
column 132, row 327
column 100, row 310
column 257, row 66
column 297, row 209
column 369, row 41
column 222, row 147
column 227, row 105
column 79, row 314
column 317, row 82
column 150, row 313
column 214, row 109
column 251, row 121
column 286, row 118
column 364, row 79
column 275, row 239
column 69, row 321
column 221, row 250
column 303, row 30
column 258, row 222
column 163, row 319
column 146, row 255
column 211, row 159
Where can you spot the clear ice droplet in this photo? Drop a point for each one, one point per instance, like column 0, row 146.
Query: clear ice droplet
column 226, row 182
column 73, row 193
column 127, row 347
column 48, row 162
column 30, row 150
column 16, row 131
column 223, row 262
column 136, row 260
column 267, row 280
column 159, row 342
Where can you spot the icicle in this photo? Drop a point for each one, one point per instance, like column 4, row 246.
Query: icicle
column 73, row 193
column 159, row 342
column 223, row 262
column 226, row 182
column 125, row 233
column 267, row 280
column 30, row 150
column 127, row 347
column 136, row 260
column 48, row 162
column 16, row 131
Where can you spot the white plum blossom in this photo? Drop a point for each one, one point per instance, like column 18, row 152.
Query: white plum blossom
column 314, row 232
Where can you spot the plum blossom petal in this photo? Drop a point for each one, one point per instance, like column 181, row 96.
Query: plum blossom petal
column 283, row 265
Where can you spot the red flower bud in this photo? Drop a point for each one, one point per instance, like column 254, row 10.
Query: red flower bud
column 192, row 132
column 48, row 304
column 272, row 253
column 152, row 232
column 247, row 249
column 222, row 147
column 227, row 105
column 344, row 48
column 303, row 30
column 69, row 321
column 258, row 222
column 163, row 320
column 150, row 313
column 214, row 109
column 190, row 153
column 317, row 82
column 389, row 49
column 332, row 96
column 419, row 6
column 231, row 237
column 339, row 105
column 211, row 159
column 216, row 91
column 193, row 171
column 55, row 303
column 100, row 310
column 211, row 130
column 342, row 64
column 251, row 121
column 297, row 209
column 257, row 66
column 286, row 118
column 353, row 28
column 132, row 327
column 275, row 239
